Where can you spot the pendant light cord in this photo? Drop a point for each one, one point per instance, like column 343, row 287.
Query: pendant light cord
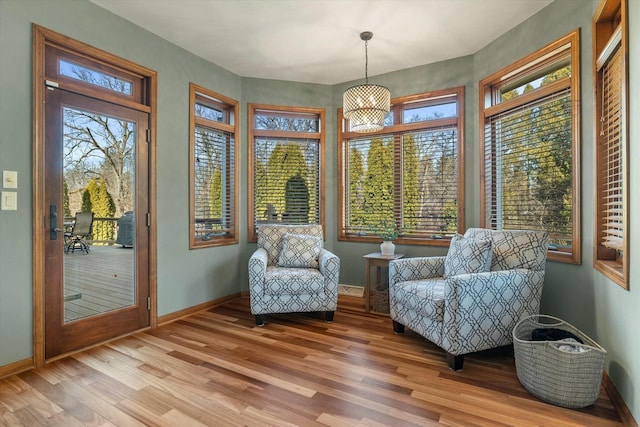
column 366, row 62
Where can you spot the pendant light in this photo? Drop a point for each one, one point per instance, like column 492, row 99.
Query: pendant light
column 365, row 106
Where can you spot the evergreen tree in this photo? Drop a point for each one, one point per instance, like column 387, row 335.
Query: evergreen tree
column 311, row 181
column 357, row 218
column 553, row 176
column 378, row 184
column 285, row 161
column 411, row 202
column 261, row 189
column 297, row 200
column 215, row 195
column 65, row 199
column 87, row 205
column 445, row 178
column 451, row 216
column 536, row 171
column 103, row 207
column 96, row 199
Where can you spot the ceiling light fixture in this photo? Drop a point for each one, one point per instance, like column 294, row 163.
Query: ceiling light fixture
column 365, row 106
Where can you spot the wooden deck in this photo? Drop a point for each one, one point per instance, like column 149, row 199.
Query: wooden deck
column 97, row 282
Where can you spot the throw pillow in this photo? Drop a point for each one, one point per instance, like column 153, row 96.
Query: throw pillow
column 299, row 250
column 270, row 237
column 468, row 255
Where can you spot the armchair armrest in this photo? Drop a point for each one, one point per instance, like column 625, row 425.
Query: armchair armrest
column 257, row 269
column 420, row 268
column 481, row 309
column 490, row 288
column 329, row 265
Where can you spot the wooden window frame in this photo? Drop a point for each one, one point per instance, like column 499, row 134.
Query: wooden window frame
column 489, row 107
column 398, row 106
column 253, row 133
column 611, row 18
column 230, row 126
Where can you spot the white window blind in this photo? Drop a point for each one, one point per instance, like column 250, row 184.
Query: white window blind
column 286, row 180
column 531, row 147
column 213, row 183
column 370, row 169
column 528, row 168
column 285, row 165
column 407, row 176
column 430, row 183
column 611, row 154
column 409, row 179
column 213, row 169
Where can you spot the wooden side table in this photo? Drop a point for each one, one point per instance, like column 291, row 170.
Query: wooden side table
column 381, row 263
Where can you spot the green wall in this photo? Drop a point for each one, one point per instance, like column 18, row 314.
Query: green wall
column 185, row 278
column 577, row 294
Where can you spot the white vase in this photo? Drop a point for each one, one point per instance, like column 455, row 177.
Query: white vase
column 387, row 248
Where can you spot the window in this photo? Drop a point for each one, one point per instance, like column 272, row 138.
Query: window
column 286, row 154
column 213, row 167
column 530, row 153
column 408, row 176
column 79, row 73
column 612, row 164
column 94, row 77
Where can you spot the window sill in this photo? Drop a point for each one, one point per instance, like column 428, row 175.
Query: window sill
column 561, row 256
column 613, row 270
column 220, row 241
column 444, row 242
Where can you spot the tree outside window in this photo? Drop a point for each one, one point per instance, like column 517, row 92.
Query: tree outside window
column 408, row 176
column 285, row 165
column 530, row 151
column 213, row 167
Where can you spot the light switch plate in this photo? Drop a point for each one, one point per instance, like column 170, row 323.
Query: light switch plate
column 10, row 179
column 9, row 201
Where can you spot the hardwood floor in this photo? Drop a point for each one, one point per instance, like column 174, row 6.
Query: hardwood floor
column 216, row 368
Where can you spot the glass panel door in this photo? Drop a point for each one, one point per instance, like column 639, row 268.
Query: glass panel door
column 98, row 183
column 96, row 251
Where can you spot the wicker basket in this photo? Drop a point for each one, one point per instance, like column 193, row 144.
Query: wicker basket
column 569, row 379
column 381, row 300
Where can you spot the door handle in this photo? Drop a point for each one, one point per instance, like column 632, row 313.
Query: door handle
column 53, row 222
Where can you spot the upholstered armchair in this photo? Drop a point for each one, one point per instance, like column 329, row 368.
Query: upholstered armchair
column 291, row 272
column 471, row 299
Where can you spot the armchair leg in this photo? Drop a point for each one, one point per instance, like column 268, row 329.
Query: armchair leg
column 398, row 328
column 259, row 319
column 328, row 316
column 455, row 362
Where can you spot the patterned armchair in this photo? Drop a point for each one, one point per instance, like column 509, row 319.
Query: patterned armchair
column 471, row 299
column 291, row 272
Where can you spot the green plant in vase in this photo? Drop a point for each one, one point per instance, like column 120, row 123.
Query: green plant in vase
column 388, row 233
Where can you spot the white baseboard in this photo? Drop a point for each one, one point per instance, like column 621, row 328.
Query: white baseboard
column 351, row 290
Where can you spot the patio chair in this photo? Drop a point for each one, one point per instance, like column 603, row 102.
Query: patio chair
column 75, row 239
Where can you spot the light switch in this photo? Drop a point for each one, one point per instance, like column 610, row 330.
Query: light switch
column 10, row 179
column 9, row 201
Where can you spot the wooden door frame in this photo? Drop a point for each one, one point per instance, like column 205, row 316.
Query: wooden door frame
column 42, row 36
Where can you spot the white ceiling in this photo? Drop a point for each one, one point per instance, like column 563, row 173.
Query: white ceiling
column 318, row 41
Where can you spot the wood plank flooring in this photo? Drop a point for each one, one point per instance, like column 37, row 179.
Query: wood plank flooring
column 216, row 368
